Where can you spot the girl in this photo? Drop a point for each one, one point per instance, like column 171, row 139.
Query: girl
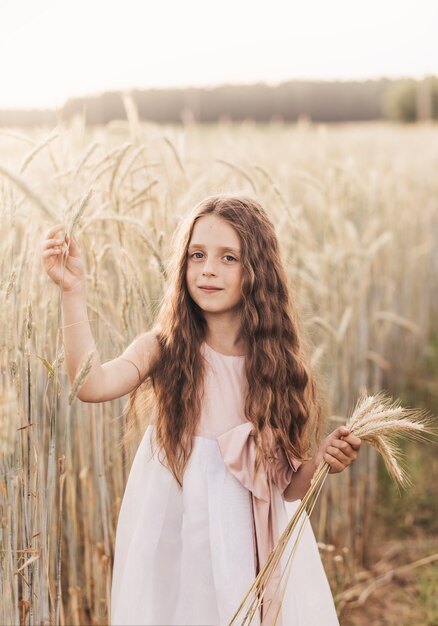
column 235, row 414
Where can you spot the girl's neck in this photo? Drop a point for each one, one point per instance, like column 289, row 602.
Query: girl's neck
column 225, row 346
column 223, row 334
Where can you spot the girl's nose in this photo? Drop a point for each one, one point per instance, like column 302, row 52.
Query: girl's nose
column 208, row 268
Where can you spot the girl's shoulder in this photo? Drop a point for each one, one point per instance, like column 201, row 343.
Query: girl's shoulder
column 143, row 352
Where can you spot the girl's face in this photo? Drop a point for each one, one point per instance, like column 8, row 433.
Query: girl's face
column 214, row 261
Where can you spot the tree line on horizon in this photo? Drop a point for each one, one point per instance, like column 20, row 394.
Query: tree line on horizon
column 404, row 100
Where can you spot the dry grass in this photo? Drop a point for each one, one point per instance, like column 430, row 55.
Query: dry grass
column 355, row 208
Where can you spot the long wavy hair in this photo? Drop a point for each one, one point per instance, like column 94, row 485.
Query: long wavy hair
column 281, row 399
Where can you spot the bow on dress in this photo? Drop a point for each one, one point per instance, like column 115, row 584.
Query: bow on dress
column 238, row 450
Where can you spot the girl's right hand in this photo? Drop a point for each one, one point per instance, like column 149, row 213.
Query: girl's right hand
column 52, row 259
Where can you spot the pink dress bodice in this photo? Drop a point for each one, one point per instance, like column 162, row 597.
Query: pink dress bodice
column 225, row 389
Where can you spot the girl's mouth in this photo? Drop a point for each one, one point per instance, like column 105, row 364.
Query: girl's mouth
column 210, row 289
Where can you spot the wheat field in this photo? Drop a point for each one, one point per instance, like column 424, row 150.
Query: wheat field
column 356, row 211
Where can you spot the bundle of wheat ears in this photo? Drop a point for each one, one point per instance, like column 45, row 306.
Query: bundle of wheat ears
column 380, row 422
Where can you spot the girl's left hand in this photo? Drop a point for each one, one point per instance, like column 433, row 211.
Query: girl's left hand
column 339, row 450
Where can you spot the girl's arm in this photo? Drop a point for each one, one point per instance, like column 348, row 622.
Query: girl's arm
column 115, row 378
column 339, row 450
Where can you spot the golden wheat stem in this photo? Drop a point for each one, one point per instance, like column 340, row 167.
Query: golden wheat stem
column 82, row 374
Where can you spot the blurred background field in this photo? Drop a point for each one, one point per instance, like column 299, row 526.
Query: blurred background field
column 355, row 208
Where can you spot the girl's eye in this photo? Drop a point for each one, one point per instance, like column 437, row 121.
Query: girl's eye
column 225, row 256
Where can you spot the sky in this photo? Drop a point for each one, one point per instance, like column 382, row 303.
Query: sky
column 51, row 50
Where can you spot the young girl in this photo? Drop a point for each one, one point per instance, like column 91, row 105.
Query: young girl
column 235, row 414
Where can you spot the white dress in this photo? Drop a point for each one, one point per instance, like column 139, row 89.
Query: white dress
column 188, row 556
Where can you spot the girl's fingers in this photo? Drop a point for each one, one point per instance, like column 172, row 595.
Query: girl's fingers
column 335, row 465
column 343, row 434
column 49, row 243
column 47, row 253
column 353, row 441
column 341, row 452
column 343, row 445
column 339, row 455
column 342, row 431
column 56, row 236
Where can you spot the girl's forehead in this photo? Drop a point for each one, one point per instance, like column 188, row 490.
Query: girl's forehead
column 211, row 229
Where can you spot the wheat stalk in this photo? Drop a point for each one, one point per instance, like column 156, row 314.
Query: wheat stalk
column 176, row 155
column 28, row 158
column 83, row 370
column 30, row 193
column 240, row 171
column 84, row 158
column 377, row 420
